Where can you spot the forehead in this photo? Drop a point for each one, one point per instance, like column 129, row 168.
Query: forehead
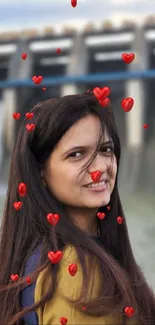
column 84, row 132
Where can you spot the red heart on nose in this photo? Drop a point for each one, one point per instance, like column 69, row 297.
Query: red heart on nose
column 63, row 320
column 96, row 176
column 14, row 277
column 37, row 80
column 17, row 205
column 101, row 215
column 16, row 116
column 129, row 311
column 72, row 269
column 128, row 58
column 127, row 104
column 30, row 127
column 29, row 115
column 53, row 218
column 55, row 257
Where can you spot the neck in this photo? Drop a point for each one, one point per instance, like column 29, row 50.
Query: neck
column 85, row 219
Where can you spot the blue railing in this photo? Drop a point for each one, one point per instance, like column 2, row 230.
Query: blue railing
column 82, row 79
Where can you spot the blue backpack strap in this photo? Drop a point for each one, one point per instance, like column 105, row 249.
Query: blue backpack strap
column 27, row 294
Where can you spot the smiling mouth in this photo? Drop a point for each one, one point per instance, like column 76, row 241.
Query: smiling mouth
column 97, row 185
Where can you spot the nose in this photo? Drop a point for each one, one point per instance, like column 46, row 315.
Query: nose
column 98, row 164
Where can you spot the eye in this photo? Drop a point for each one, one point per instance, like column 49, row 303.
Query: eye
column 109, row 149
column 75, row 154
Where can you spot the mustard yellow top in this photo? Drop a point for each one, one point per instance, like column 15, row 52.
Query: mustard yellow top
column 70, row 286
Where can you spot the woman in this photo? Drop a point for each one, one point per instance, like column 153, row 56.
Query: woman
column 67, row 246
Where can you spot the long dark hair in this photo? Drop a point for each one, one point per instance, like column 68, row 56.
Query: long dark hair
column 22, row 231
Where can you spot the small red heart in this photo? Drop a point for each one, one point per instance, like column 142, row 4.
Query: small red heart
column 72, row 269
column 119, row 220
column 104, row 102
column 101, row 215
column 145, row 126
column 29, row 115
column 58, row 51
column 17, row 205
column 127, row 104
column 96, row 176
column 28, row 280
column 74, row 3
column 44, row 89
column 97, row 92
column 101, row 93
column 37, row 80
column 128, row 58
column 14, row 277
column 55, row 257
column 53, row 218
column 22, row 189
column 129, row 311
column 16, row 116
column 63, row 320
column 24, row 56
column 30, row 127
column 108, row 207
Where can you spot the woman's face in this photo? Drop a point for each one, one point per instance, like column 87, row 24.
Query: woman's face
column 61, row 172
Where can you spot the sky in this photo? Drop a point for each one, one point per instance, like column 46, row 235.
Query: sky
column 23, row 14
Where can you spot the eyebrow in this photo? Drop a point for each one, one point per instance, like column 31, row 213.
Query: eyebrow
column 110, row 142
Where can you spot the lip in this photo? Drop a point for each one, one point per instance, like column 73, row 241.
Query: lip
column 98, row 189
column 103, row 179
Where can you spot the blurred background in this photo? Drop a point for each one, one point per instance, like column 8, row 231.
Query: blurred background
column 91, row 39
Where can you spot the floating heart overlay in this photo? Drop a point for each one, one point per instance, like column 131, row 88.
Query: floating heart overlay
column 63, row 320
column 55, row 257
column 14, row 277
column 127, row 104
column 22, row 189
column 74, row 3
column 101, row 215
column 129, row 311
column 104, row 102
column 58, row 51
column 72, row 269
column 96, row 176
column 145, row 126
column 24, row 56
column 101, row 93
column 30, row 127
column 17, row 205
column 44, row 89
column 119, row 220
column 16, row 116
column 37, row 80
column 29, row 115
column 128, row 58
column 28, row 280
column 108, row 207
column 53, row 218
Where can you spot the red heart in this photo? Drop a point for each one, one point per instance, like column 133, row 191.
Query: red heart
column 119, row 220
column 58, row 51
column 55, row 257
column 104, row 102
column 97, row 92
column 127, row 104
column 63, row 320
column 74, row 3
column 108, row 207
column 22, row 189
column 129, row 311
column 16, row 116
column 72, row 269
column 17, row 205
column 30, row 127
column 101, row 93
column 96, row 176
column 14, row 277
column 145, row 126
column 44, row 89
column 53, row 218
column 37, row 80
column 28, row 280
column 128, row 58
column 100, row 215
column 29, row 115
column 24, row 56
